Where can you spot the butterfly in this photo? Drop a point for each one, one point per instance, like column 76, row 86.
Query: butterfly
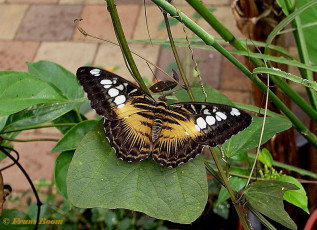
column 136, row 125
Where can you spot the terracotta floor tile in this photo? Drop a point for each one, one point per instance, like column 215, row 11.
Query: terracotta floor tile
column 33, row 1
column 35, row 159
column 232, row 77
column 225, row 16
column 155, row 18
column 97, row 22
column 14, row 54
column 110, row 56
column 10, row 18
column 238, row 96
column 70, row 55
column 209, row 64
column 77, row 2
column 49, row 22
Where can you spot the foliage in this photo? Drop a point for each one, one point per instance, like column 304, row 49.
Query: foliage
column 88, row 175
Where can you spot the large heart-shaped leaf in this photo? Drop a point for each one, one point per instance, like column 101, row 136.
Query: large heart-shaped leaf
column 20, row 90
column 97, row 178
column 267, row 198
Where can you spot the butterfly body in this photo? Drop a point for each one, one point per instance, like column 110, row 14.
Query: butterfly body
column 137, row 126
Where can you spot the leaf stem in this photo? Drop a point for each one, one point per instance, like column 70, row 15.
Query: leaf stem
column 38, row 127
column 177, row 59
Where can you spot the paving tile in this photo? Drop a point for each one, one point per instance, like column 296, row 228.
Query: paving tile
column 225, row 16
column 35, row 159
column 78, row 2
column 70, row 55
column 232, row 77
column 12, row 14
column 14, row 58
column 33, row 1
column 209, row 64
column 109, row 56
column 97, row 22
column 49, row 22
column 238, row 96
column 155, row 18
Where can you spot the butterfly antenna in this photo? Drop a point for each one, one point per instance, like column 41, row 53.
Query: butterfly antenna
column 146, row 22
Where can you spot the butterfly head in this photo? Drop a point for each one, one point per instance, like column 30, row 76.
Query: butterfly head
column 162, row 98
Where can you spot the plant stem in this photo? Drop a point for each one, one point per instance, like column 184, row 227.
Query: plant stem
column 39, row 127
column 229, row 189
column 30, row 140
column 303, row 53
column 177, row 59
column 124, row 45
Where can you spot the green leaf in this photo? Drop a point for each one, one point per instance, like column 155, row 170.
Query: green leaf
column 12, row 217
column 60, row 172
column 236, row 183
column 310, row 33
column 295, row 197
column 249, row 138
column 20, row 90
column 97, row 178
column 69, row 117
column 170, row 67
column 267, row 198
column 213, row 95
column 39, row 114
column 265, row 157
column 171, row 21
column 72, row 138
column 58, row 77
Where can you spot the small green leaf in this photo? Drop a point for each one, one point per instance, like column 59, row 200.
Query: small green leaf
column 170, row 67
column 97, row 178
column 267, row 198
column 12, row 217
column 265, row 157
column 236, row 183
column 39, row 114
column 72, row 138
column 295, row 197
column 171, row 21
column 58, row 77
column 20, row 90
column 60, row 172
column 249, row 138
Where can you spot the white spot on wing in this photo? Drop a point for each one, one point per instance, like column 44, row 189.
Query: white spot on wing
column 210, row 120
column 107, row 86
column 120, row 106
column 206, row 111
column 235, row 112
column 95, row 72
column 120, row 87
column 113, row 92
column 197, row 127
column 106, row 82
column 186, row 133
column 201, row 123
column 221, row 115
column 193, row 108
column 132, row 91
column 120, row 99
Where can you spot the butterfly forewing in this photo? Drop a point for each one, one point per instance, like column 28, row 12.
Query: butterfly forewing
column 137, row 126
column 213, row 123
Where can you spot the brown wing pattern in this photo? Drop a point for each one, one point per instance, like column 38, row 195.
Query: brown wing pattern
column 136, row 125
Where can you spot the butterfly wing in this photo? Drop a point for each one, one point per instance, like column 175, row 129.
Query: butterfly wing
column 127, row 110
column 189, row 126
